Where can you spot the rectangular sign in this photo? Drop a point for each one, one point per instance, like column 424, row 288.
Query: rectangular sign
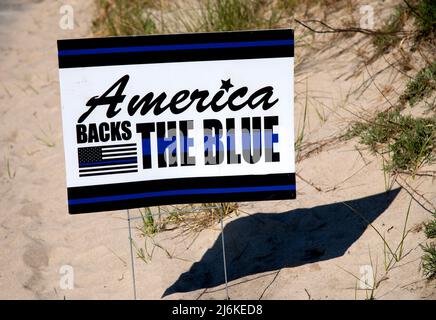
column 186, row 118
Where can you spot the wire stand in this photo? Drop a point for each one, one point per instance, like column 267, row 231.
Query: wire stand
column 224, row 255
column 132, row 261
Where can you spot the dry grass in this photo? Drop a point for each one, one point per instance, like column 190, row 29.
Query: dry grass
column 189, row 218
column 196, row 218
column 121, row 18
column 139, row 17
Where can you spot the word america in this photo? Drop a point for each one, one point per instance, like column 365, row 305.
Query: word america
column 148, row 102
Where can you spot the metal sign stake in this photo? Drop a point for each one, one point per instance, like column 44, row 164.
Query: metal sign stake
column 224, row 254
column 132, row 261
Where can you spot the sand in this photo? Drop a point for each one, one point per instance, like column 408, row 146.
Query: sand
column 307, row 248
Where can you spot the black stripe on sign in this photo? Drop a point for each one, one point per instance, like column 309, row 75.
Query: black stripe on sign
column 149, row 202
column 79, row 58
column 106, row 173
column 107, row 168
column 169, row 39
column 119, row 145
column 181, row 184
column 117, row 154
column 107, row 151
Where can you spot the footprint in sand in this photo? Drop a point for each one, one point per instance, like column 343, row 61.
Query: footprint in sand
column 31, row 210
column 36, row 258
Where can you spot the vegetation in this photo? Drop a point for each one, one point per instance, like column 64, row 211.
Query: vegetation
column 196, row 218
column 190, row 218
column 421, row 86
column 136, row 17
column 150, row 225
column 429, row 257
column 425, row 16
column 121, row 18
column 429, row 261
column 408, row 142
column 388, row 35
column 430, row 228
column 229, row 15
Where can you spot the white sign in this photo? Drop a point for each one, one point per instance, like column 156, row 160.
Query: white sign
column 177, row 119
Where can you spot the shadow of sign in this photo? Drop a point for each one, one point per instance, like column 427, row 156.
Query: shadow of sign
column 267, row 242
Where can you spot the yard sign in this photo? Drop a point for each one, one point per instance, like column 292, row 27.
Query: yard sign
column 186, row 118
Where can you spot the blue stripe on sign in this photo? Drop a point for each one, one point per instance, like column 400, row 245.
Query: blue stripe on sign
column 91, row 164
column 175, row 47
column 146, row 147
column 164, row 143
column 180, row 193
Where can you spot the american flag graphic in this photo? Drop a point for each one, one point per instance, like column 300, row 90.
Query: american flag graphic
column 113, row 159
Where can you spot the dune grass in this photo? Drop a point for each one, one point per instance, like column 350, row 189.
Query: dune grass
column 392, row 32
column 139, row 17
column 429, row 261
column 429, row 257
column 189, row 218
column 425, row 16
column 408, row 142
column 200, row 216
column 230, row 15
column 389, row 33
column 430, row 228
column 150, row 224
column 122, row 18
column 421, row 86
